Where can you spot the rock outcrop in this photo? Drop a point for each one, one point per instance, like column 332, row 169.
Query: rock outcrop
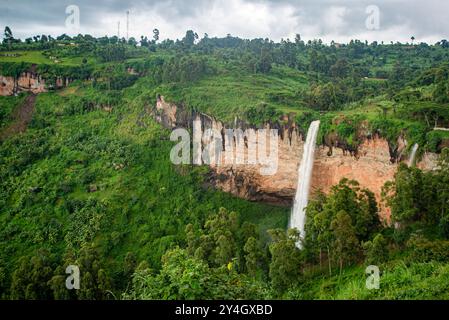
column 28, row 82
column 372, row 166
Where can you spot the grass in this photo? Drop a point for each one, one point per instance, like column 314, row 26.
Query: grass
column 7, row 107
column 25, row 56
column 230, row 93
column 398, row 281
column 38, row 57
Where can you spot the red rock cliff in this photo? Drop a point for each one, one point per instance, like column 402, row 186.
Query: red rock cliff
column 372, row 167
column 27, row 82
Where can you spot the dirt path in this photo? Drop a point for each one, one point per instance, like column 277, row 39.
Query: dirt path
column 22, row 116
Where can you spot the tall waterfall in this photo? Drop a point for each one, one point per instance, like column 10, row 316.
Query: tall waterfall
column 298, row 216
column 412, row 158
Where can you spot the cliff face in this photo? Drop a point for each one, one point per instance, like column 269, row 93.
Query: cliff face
column 27, row 82
column 243, row 180
column 372, row 167
column 246, row 181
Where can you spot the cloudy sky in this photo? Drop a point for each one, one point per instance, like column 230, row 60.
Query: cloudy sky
column 338, row 20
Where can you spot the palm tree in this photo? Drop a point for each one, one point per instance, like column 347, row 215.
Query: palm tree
column 413, row 39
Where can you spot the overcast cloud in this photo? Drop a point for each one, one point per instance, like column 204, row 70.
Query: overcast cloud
column 338, row 20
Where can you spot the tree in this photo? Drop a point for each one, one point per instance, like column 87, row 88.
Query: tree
column 129, row 264
column 29, row 280
column 346, row 245
column 340, row 69
column 8, row 37
column 192, row 238
column 444, row 43
column 183, row 277
column 288, row 54
column 413, row 39
column 298, row 41
column 57, row 284
column 223, row 227
column 132, row 41
column 225, row 249
column 104, row 285
column 265, row 61
column 189, row 39
column 96, row 283
column 110, row 53
column 400, row 195
column 376, row 251
column 65, row 37
column 286, row 262
column 88, row 288
column 418, row 198
column 19, row 279
column 144, row 41
column 318, row 236
column 359, row 204
column 322, row 97
column 440, row 93
column 217, row 243
column 8, row 33
column 253, row 256
column 319, row 62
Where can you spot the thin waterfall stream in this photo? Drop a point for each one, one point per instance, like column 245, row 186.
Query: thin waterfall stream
column 411, row 161
column 298, row 215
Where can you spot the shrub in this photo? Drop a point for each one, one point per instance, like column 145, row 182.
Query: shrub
column 424, row 250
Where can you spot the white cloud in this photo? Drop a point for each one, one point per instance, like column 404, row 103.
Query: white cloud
column 339, row 20
column 334, row 19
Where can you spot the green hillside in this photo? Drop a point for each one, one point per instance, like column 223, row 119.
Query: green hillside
column 90, row 180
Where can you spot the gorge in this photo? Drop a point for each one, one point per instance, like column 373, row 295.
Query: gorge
column 372, row 167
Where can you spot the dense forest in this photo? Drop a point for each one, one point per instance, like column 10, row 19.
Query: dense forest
column 90, row 183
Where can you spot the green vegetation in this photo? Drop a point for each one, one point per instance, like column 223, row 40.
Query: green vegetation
column 7, row 107
column 90, row 182
column 81, row 178
column 343, row 236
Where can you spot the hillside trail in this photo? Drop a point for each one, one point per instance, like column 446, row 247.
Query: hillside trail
column 21, row 118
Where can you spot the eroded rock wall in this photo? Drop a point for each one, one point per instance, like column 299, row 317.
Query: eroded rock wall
column 28, row 82
column 372, row 167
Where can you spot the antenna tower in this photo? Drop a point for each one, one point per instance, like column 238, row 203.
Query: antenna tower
column 127, row 25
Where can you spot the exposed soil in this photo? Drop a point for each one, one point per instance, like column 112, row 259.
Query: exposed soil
column 22, row 117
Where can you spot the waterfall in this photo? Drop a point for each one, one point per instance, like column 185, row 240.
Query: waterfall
column 298, row 215
column 412, row 158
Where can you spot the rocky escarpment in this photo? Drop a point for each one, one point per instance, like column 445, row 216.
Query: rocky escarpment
column 28, row 82
column 244, row 180
column 371, row 166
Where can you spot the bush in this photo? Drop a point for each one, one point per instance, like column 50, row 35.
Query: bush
column 424, row 250
column 376, row 251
